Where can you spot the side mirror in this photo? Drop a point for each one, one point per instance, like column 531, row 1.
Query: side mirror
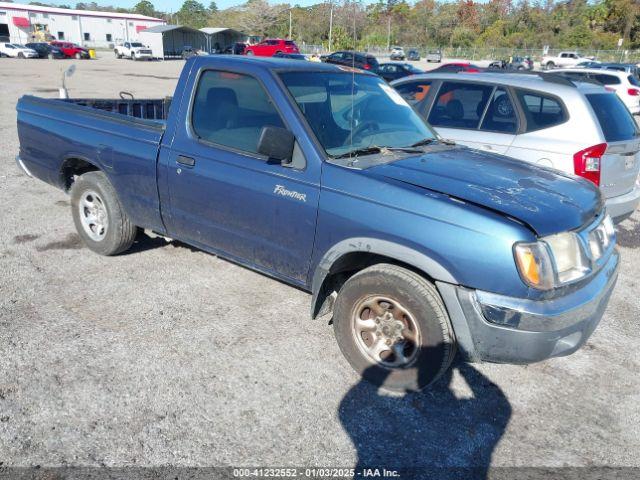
column 277, row 143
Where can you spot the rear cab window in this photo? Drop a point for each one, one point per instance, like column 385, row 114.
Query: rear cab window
column 616, row 122
column 540, row 110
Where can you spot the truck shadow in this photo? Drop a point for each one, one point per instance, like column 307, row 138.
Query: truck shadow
column 434, row 433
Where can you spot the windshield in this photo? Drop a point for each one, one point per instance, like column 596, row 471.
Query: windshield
column 350, row 112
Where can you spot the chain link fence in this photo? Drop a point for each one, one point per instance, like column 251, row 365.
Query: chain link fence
column 490, row 53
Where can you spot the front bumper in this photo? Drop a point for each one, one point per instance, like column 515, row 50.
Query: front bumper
column 622, row 207
column 496, row 328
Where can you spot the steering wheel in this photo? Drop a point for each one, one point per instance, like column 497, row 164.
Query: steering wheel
column 360, row 129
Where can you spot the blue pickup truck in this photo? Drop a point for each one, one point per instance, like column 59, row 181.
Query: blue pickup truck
column 323, row 177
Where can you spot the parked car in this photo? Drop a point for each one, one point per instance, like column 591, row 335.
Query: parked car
column 290, row 56
column 397, row 53
column 188, row 51
column 278, row 166
column 413, row 55
column 45, row 50
column 564, row 59
column 544, row 119
column 71, row 50
column 238, row 48
column 14, row 50
column 363, row 61
column 133, row 51
column 629, row 68
column 588, row 64
column 513, row 63
column 456, row 67
column 394, row 70
column 434, row 56
column 271, row 46
column 624, row 84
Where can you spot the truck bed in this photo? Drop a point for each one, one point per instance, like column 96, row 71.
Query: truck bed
column 56, row 133
column 147, row 108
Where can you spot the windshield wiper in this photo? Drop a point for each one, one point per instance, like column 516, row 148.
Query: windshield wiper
column 375, row 149
column 424, row 141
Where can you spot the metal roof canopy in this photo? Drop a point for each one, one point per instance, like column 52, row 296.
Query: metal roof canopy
column 169, row 40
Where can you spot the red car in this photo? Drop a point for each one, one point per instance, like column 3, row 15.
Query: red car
column 71, row 50
column 455, row 67
column 271, row 46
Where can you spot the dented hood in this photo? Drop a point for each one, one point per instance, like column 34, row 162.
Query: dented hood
column 548, row 202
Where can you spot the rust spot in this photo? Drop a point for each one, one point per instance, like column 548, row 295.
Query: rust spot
column 27, row 237
column 71, row 242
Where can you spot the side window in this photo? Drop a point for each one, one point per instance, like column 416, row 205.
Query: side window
column 230, row 109
column 540, row 111
column 336, row 56
column 414, row 92
column 606, row 79
column 500, row 115
column 347, row 57
column 459, row 105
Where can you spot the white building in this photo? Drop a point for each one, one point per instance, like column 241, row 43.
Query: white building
column 88, row 28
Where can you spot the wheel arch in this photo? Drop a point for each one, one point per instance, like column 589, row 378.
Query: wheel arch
column 352, row 255
column 74, row 166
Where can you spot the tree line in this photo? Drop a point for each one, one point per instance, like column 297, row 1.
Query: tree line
column 594, row 25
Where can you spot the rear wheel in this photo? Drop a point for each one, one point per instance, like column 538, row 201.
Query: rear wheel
column 98, row 215
column 20, row 55
column 550, row 65
column 393, row 328
column 250, row 53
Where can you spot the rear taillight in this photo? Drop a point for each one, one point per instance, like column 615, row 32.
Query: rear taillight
column 367, row 66
column 588, row 162
column 634, row 92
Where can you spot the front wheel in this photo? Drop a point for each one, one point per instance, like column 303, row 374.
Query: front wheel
column 99, row 217
column 393, row 328
column 50, row 56
column 550, row 65
column 78, row 56
column 250, row 53
column 20, row 55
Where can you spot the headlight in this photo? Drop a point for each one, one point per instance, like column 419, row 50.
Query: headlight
column 559, row 259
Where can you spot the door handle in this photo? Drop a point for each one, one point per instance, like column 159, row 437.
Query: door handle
column 186, row 161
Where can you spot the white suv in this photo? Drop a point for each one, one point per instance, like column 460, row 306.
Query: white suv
column 579, row 128
column 626, row 85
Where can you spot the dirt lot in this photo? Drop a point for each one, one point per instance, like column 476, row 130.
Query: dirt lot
column 168, row 355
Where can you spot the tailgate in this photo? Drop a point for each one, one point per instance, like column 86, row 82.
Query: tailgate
column 620, row 164
column 620, row 167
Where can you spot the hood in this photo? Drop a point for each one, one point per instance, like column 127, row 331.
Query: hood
column 547, row 201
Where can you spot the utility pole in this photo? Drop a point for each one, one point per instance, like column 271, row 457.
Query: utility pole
column 330, row 25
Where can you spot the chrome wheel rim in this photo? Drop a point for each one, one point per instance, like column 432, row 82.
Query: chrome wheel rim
column 93, row 215
column 385, row 332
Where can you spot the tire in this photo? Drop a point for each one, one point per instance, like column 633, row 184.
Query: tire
column 250, row 53
column 550, row 65
column 118, row 233
column 20, row 55
column 78, row 56
column 50, row 56
column 417, row 303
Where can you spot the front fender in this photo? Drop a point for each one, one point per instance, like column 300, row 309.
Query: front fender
column 374, row 246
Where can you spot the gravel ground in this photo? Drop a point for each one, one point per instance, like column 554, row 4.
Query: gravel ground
column 170, row 356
